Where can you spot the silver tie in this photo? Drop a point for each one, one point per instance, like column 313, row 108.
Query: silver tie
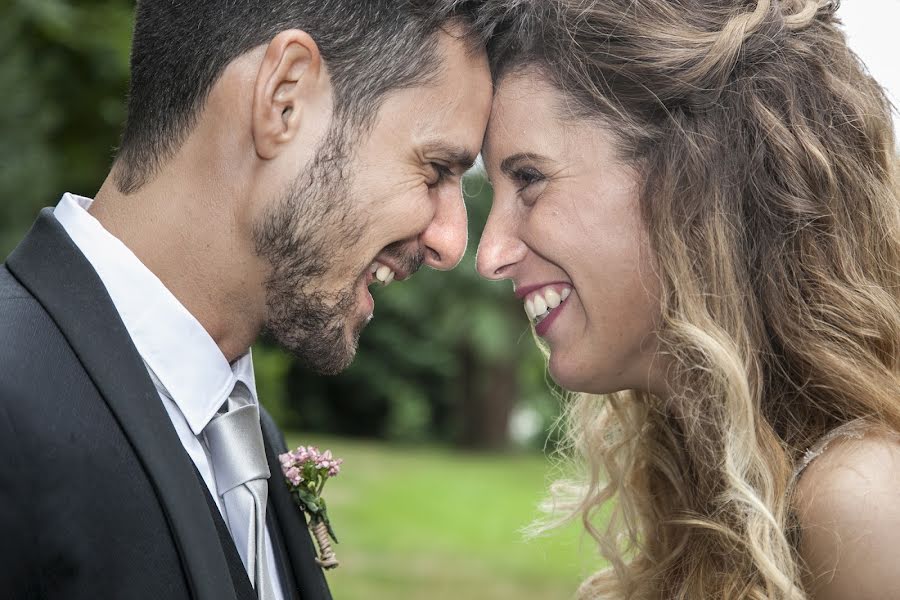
column 239, row 463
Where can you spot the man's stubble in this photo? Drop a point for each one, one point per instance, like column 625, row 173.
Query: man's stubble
column 303, row 235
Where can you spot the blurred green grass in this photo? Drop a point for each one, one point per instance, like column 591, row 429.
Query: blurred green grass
column 430, row 523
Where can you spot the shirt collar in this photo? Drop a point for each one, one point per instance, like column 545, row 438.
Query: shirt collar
column 174, row 345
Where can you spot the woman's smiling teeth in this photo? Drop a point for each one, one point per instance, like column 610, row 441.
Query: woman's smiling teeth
column 541, row 303
column 382, row 273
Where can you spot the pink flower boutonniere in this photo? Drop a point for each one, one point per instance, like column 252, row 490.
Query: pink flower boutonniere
column 306, row 471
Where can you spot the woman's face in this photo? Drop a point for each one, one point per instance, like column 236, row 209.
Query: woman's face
column 565, row 227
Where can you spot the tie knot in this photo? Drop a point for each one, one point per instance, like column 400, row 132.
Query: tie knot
column 236, row 448
column 240, row 396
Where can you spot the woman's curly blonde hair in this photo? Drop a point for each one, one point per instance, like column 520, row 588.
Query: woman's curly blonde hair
column 770, row 194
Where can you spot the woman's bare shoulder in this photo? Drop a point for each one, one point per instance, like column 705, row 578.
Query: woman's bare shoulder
column 848, row 505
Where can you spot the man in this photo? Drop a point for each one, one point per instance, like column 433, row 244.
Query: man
column 278, row 158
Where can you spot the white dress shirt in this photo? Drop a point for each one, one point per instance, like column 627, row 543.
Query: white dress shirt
column 190, row 372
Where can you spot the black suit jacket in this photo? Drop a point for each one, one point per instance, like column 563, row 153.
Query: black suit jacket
column 98, row 498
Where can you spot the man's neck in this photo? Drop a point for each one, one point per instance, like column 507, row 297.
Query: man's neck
column 193, row 246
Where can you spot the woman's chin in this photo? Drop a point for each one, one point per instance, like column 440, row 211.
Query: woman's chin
column 567, row 373
column 577, row 376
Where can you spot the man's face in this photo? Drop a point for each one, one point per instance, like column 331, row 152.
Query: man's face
column 372, row 207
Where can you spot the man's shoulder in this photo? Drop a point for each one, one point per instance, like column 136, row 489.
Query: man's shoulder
column 10, row 288
column 23, row 321
column 22, row 318
column 34, row 355
column 18, row 308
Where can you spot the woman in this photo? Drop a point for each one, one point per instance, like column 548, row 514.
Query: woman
column 697, row 202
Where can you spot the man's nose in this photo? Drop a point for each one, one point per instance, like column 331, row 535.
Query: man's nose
column 446, row 237
column 500, row 247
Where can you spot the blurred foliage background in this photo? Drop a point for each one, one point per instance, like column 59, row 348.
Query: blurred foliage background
column 442, row 416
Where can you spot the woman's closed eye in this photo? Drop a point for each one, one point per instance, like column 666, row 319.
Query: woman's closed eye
column 527, row 180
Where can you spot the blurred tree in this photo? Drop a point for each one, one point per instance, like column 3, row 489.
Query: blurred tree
column 64, row 72
column 447, row 355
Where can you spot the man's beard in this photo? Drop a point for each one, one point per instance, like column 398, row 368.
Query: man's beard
column 302, row 236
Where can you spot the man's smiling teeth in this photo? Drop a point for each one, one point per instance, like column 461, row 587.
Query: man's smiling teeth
column 383, row 273
column 539, row 305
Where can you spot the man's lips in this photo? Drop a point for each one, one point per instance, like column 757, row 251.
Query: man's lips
column 404, row 258
column 387, row 269
column 400, row 274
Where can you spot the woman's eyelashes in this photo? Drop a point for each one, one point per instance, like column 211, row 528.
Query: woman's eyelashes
column 526, row 180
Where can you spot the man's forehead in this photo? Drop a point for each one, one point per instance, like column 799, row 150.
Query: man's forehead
column 446, row 116
column 447, row 125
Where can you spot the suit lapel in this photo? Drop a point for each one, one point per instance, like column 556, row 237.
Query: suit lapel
column 285, row 570
column 294, row 532
column 52, row 268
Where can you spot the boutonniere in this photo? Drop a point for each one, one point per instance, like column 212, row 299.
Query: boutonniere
column 306, row 470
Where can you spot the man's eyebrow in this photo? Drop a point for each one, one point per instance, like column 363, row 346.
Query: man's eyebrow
column 509, row 164
column 455, row 155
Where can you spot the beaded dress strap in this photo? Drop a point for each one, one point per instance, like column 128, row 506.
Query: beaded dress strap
column 856, row 429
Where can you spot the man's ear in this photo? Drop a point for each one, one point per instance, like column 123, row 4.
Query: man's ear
column 288, row 78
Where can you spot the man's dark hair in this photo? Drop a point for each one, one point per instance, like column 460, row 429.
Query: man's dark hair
column 181, row 47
